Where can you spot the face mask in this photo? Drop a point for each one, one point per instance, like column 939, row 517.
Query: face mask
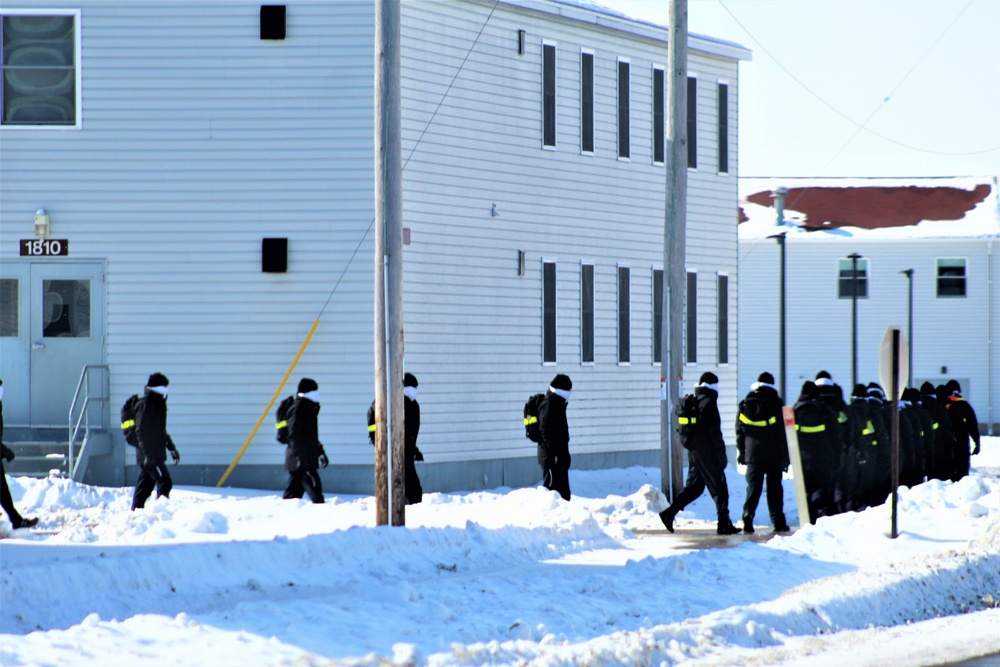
column 162, row 391
column 311, row 395
column 410, row 393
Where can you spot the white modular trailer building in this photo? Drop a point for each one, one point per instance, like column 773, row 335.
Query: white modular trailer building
column 167, row 140
column 947, row 230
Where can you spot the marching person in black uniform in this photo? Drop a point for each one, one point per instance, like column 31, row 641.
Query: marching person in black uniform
column 877, row 395
column 153, row 442
column 6, row 501
column 414, row 492
column 305, row 454
column 923, row 439
column 864, row 426
column 964, row 427
column 706, row 460
column 763, row 449
column 817, row 429
column 941, row 458
column 553, row 450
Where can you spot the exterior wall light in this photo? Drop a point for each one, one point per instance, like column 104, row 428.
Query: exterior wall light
column 41, row 224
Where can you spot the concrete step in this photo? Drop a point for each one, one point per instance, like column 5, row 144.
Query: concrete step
column 36, row 459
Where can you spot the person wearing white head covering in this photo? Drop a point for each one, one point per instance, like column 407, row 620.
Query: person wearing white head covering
column 304, row 454
column 153, row 442
column 553, row 450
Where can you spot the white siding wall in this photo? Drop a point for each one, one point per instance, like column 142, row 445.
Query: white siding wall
column 947, row 332
column 473, row 325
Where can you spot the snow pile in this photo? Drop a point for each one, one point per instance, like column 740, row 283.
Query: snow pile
column 212, row 577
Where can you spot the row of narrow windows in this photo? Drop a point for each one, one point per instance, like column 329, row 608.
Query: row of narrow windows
column 950, row 277
column 624, row 107
column 624, row 315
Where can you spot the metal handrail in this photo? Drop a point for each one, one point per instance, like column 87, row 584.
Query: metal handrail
column 83, row 419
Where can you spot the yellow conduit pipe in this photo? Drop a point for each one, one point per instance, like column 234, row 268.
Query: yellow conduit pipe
column 267, row 410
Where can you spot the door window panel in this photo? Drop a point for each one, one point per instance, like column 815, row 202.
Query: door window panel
column 66, row 308
column 9, row 307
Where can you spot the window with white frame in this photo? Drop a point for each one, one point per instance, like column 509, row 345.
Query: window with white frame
column 624, row 128
column 549, row 312
column 657, row 315
column 548, row 94
column 659, row 117
column 39, row 69
column 587, row 313
column 723, row 129
column 624, row 315
column 692, row 122
column 586, row 102
column 691, row 319
column 847, row 275
column 723, row 319
column 951, row 277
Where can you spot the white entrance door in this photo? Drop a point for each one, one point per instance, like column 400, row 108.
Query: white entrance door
column 59, row 329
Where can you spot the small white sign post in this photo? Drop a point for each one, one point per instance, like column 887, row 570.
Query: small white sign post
column 894, row 374
column 795, row 460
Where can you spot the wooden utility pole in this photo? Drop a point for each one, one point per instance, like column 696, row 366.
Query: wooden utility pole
column 389, row 422
column 674, row 245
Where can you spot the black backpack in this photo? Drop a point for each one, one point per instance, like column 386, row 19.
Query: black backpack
column 532, row 429
column 688, row 421
column 128, row 420
column 754, row 416
column 281, row 420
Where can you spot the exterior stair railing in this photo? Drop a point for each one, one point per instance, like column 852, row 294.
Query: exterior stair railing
column 79, row 418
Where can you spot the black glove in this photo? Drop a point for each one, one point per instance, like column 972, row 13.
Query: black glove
column 175, row 455
column 975, row 450
column 8, row 454
column 323, row 461
column 741, row 459
column 419, row 456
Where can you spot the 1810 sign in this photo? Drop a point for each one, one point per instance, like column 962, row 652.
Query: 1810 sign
column 44, row 247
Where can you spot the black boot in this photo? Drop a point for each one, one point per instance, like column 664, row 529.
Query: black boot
column 726, row 527
column 748, row 525
column 667, row 517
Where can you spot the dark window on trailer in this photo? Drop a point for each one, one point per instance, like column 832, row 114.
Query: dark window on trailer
column 587, row 102
column 691, row 319
column 659, row 127
column 624, row 331
column 624, row 149
column 950, row 278
column 657, row 315
column 845, row 281
column 548, row 95
column 692, row 122
column 723, row 332
column 549, row 312
column 723, row 128
column 38, row 70
column 587, row 313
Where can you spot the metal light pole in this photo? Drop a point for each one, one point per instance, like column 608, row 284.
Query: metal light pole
column 909, row 322
column 779, row 209
column 854, row 317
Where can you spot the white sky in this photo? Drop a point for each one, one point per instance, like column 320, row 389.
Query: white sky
column 937, row 61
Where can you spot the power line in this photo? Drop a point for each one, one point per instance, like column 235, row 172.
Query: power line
column 862, row 126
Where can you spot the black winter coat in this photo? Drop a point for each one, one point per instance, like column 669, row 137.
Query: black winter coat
column 964, row 425
column 819, row 436
column 304, row 446
column 711, row 446
column 411, row 425
column 765, row 444
column 151, row 429
column 554, row 427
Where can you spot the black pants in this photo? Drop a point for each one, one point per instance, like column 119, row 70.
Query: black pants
column 705, row 471
column 756, row 475
column 305, row 481
column 555, row 472
column 7, row 502
column 414, row 492
column 151, row 475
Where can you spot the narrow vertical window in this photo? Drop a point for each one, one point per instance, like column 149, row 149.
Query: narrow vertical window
column 723, row 128
column 587, row 313
column 549, row 312
column 624, row 308
column 587, row 102
column 624, row 150
column 692, row 122
column 659, row 126
column 950, row 278
column 548, row 95
column 657, row 315
column 691, row 328
column 723, row 315
column 846, row 276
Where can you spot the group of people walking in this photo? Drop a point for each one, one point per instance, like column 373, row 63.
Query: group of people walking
column 845, row 447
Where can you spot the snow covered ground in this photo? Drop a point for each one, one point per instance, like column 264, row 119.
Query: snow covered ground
column 238, row 577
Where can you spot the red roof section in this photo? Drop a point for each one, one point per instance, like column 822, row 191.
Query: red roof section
column 875, row 207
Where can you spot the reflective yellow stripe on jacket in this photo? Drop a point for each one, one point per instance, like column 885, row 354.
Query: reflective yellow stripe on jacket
column 128, row 423
column 810, row 429
column 762, row 423
column 281, row 424
column 530, row 420
column 684, row 421
column 371, row 429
